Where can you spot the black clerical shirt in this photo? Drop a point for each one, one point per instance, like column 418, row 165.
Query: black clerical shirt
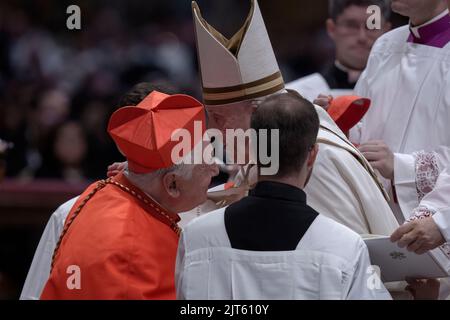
column 274, row 217
column 337, row 78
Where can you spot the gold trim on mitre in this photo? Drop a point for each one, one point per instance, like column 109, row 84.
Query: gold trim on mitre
column 252, row 90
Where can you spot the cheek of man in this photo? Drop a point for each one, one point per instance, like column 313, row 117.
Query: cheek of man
column 201, row 179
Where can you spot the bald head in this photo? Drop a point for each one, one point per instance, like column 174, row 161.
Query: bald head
column 298, row 124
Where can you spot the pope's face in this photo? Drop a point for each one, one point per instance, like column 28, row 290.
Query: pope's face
column 233, row 116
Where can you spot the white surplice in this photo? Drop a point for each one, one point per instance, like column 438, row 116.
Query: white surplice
column 40, row 266
column 437, row 202
column 330, row 262
column 409, row 85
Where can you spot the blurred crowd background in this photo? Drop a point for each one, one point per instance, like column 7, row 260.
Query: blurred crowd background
column 58, row 87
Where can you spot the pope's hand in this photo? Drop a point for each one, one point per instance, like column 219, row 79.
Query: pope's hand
column 419, row 236
column 379, row 156
column 116, row 168
column 323, row 101
column 423, row 289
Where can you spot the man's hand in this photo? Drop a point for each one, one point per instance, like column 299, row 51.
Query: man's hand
column 419, row 236
column 116, row 168
column 423, row 289
column 379, row 156
column 323, row 101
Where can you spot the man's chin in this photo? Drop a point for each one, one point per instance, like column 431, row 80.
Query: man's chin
column 399, row 8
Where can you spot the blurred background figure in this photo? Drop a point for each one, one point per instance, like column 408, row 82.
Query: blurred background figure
column 65, row 158
column 353, row 39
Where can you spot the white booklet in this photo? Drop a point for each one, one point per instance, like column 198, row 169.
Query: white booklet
column 397, row 263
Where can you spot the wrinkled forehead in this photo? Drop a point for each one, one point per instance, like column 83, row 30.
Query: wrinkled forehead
column 232, row 107
column 239, row 106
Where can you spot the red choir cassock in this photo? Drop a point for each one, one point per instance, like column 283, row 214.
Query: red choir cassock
column 118, row 242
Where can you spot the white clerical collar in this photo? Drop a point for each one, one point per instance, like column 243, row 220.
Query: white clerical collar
column 352, row 74
column 415, row 30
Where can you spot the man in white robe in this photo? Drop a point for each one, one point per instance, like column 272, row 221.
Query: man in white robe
column 352, row 47
column 405, row 133
column 355, row 189
column 271, row 244
column 343, row 186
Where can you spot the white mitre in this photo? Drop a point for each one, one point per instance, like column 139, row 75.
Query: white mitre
column 237, row 69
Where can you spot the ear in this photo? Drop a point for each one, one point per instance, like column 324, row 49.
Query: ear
column 331, row 28
column 170, row 183
column 312, row 156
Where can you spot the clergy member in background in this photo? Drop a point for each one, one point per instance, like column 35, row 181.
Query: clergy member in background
column 40, row 266
column 347, row 27
column 405, row 133
column 120, row 238
column 271, row 244
column 236, row 75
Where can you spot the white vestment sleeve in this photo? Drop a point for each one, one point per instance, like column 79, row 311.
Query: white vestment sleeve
column 405, row 182
column 366, row 284
column 438, row 201
column 179, row 268
column 341, row 189
column 40, row 266
column 415, row 175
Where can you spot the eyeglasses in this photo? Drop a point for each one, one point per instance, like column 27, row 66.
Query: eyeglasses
column 352, row 27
